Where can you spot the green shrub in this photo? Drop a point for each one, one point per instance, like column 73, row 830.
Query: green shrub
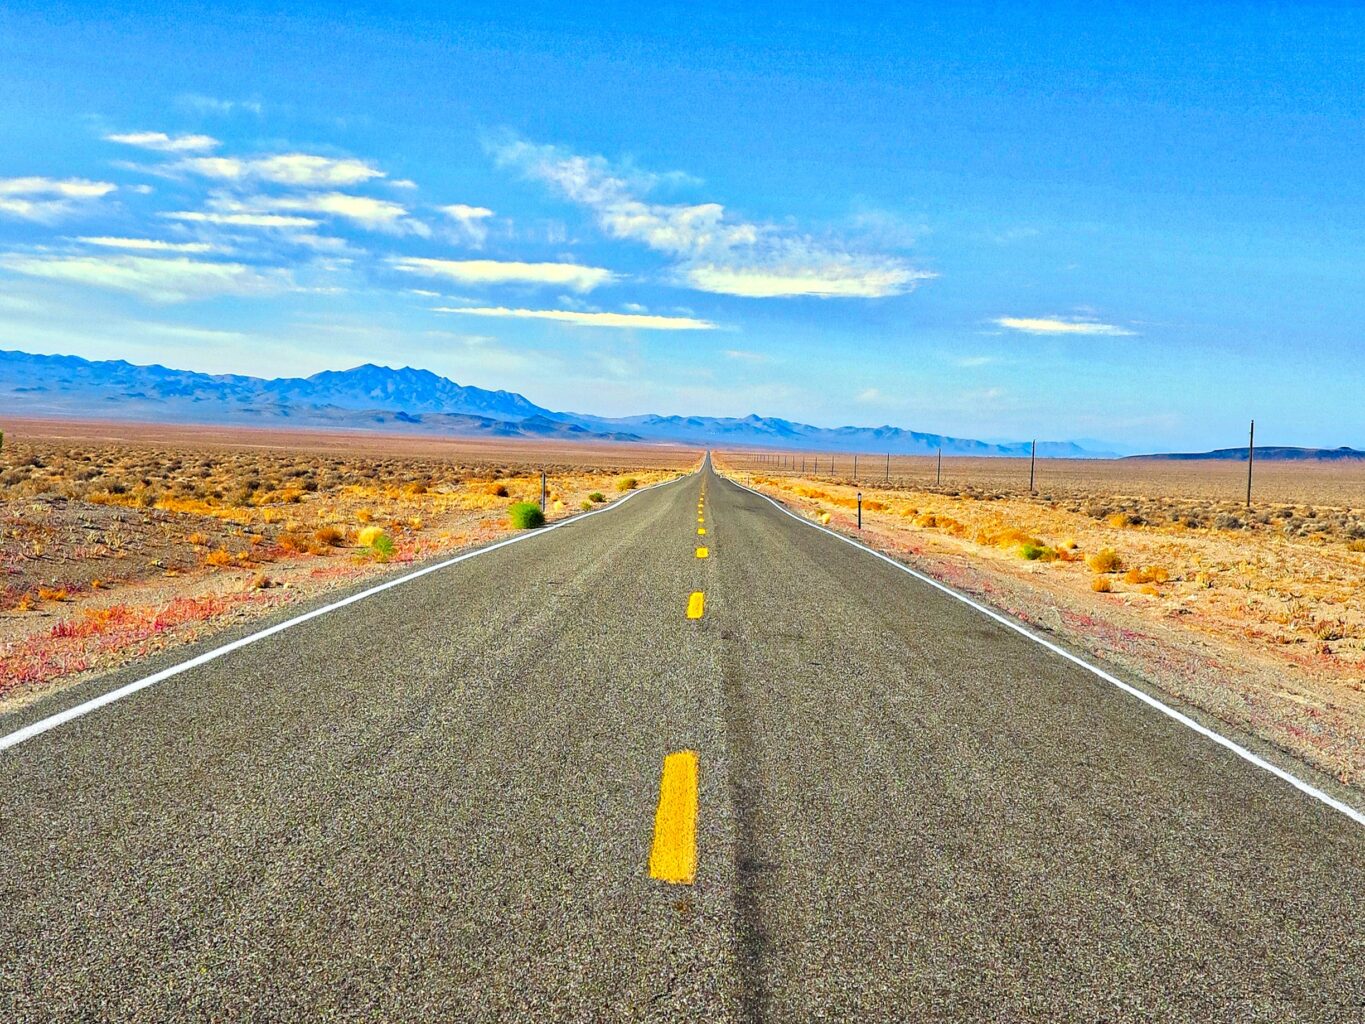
column 627, row 483
column 382, row 547
column 526, row 515
column 597, row 496
column 585, row 505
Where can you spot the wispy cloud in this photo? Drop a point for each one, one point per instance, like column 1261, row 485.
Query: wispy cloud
column 173, row 279
column 146, row 244
column 1059, row 325
column 241, row 220
column 829, row 277
column 46, row 199
column 163, row 143
column 214, row 105
column 304, row 170
column 368, row 212
column 744, row 356
column 470, row 220
column 564, row 275
column 642, row 321
column 717, row 252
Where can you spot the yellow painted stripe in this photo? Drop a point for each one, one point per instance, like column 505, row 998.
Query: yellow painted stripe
column 674, row 856
column 703, row 553
column 696, row 605
column 701, row 531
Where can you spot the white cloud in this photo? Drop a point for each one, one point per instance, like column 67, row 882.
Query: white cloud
column 147, row 244
column 374, row 214
column 242, row 220
column 305, row 170
column 744, row 356
column 163, row 143
column 565, row 275
column 581, row 319
column 841, row 278
column 717, row 252
column 1059, row 325
column 470, row 220
column 173, row 279
column 46, row 199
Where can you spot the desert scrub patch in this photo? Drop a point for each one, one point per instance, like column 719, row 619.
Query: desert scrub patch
column 369, row 536
column 525, row 515
column 626, row 483
column 597, row 497
column 330, row 536
column 1101, row 585
column 1104, row 560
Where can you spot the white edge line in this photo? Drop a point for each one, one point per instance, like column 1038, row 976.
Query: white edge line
column 41, row 726
column 1128, row 688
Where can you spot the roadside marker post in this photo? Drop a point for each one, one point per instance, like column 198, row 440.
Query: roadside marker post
column 1251, row 459
column 542, row 490
column 860, row 510
column 1032, row 462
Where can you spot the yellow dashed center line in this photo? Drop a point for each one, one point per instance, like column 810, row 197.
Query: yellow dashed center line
column 696, row 605
column 703, row 553
column 674, row 856
column 701, row 531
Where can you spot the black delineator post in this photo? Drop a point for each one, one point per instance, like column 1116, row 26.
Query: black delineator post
column 1251, row 459
column 860, row 510
column 1032, row 462
column 542, row 490
column 888, row 467
column 938, row 475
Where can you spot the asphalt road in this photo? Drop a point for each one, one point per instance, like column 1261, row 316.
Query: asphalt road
column 443, row 802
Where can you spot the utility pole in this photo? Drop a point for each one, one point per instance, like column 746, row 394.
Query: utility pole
column 888, row 467
column 855, row 468
column 1032, row 462
column 1251, row 459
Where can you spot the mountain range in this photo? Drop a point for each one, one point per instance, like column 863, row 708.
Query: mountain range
column 408, row 400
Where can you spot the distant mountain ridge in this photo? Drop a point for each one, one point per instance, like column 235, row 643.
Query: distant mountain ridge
column 1270, row 453
column 371, row 397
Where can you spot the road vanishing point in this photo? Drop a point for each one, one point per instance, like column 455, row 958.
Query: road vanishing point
column 622, row 769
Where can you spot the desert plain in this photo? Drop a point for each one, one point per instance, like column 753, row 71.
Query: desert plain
column 121, row 540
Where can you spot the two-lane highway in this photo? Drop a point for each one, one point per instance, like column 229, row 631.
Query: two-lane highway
column 688, row 759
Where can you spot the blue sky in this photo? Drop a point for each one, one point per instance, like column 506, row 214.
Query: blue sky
column 1144, row 224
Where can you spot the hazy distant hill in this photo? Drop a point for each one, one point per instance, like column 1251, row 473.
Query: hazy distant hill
column 1268, row 453
column 373, row 397
column 771, row 432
